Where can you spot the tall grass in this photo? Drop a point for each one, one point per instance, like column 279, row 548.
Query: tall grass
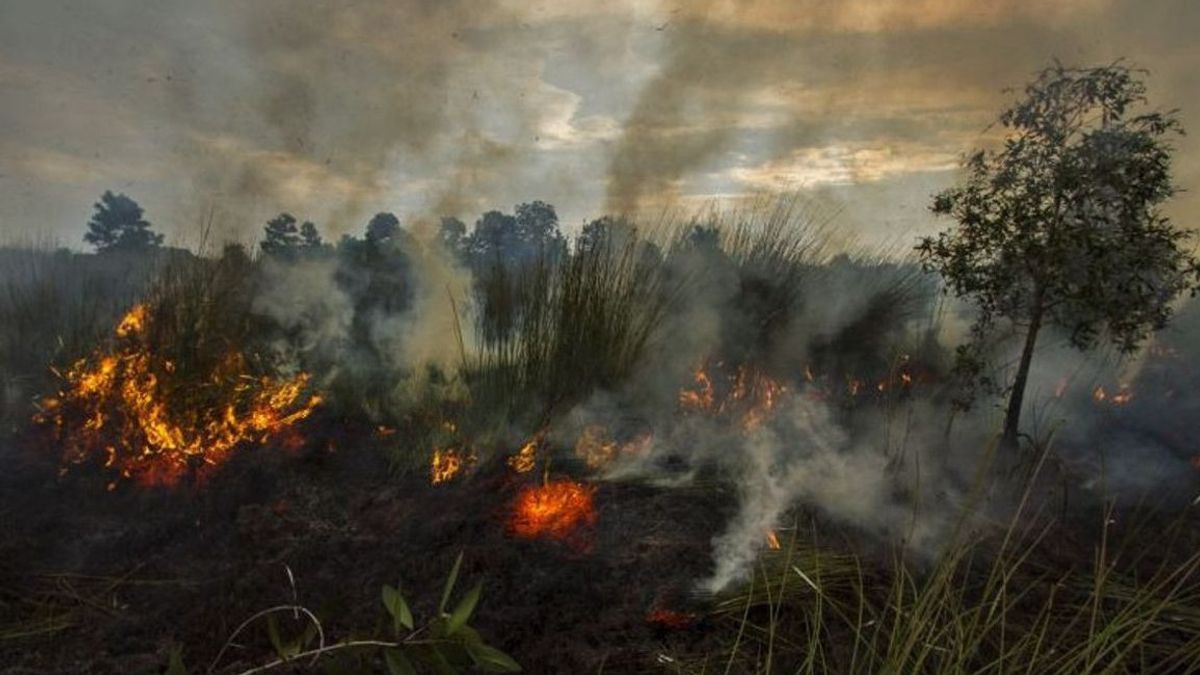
column 56, row 306
column 555, row 330
column 1013, row 602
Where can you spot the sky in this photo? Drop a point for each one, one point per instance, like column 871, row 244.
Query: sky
column 218, row 114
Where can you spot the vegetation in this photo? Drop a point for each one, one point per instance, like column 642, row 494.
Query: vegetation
column 695, row 330
column 1063, row 225
column 118, row 225
column 446, row 644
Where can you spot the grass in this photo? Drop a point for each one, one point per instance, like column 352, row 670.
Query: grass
column 1007, row 602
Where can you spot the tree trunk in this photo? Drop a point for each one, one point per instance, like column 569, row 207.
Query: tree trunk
column 1016, row 399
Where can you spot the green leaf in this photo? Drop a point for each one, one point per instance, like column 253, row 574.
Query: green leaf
column 463, row 611
column 450, row 581
column 273, row 634
column 436, row 660
column 394, row 601
column 492, row 660
column 175, row 664
column 398, row 663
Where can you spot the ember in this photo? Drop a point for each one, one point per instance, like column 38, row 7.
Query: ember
column 553, row 510
column 670, row 618
column 126, row 408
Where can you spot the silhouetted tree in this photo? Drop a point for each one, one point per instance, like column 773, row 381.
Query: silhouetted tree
column 1061, row 225
column 382, row 227
column 309, row 236
column 453, row 234
column 537, row 230
column 501, row 239
column 117, row 225
column 280, row 236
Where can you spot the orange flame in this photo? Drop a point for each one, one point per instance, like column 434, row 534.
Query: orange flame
column 553, row 510
column 750, row 396
column 526, row 457
column 772, row 540
column 597, row 448
column 118, row 406
column 445, row 465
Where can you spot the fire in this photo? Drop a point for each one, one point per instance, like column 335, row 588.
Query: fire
column 772, row 540
column 595, row 447
column 445, row 465
column 1123, row 395
column 598, row 449
column 552, row 510
column 749, row 395
column 126, row 408
column 526, row 457
column 701, row 397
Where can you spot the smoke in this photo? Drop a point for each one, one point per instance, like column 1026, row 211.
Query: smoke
column 434, row 330
column 681, row 119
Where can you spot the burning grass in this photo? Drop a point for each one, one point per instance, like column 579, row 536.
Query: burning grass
column 554, row 510
column 147, row 422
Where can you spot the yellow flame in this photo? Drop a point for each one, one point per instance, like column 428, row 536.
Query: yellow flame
column 445, row 465
column 526, row 457
column 772, row 540
column 117, row 405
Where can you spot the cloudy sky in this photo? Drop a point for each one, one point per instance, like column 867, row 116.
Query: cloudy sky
column 336, row 110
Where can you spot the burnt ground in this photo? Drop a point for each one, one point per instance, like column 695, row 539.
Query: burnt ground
column 93, row 581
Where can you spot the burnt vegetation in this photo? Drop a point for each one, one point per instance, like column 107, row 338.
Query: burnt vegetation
column 712, row 445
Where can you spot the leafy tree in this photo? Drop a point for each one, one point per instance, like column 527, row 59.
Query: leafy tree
column 1062, row 226
column 501, row 239
column 494, row 239
column 309, row 236
column 537, row 229
column 280, row 236
column 117, row 225
column 383, row 227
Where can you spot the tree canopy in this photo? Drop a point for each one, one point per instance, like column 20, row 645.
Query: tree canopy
column 1062, row 224
column 118, row 225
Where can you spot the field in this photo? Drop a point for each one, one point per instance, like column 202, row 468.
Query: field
column 719, row 445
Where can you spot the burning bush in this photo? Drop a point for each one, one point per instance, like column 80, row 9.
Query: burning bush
column 173, row 397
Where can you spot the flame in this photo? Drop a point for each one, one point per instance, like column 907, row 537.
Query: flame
column 597, row 448
column 526, row 457
column 750, row 396
column 125, row 407
column 552, row 510
column 772, row 540
column 700, row 398
column 1122, row 396
column 445, row 465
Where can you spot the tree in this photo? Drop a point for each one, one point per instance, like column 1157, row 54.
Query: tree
column 309, row 236
column 453, row 234
column 1062, row 224
column 280, row 236
column 383, row 227
column 117, row 225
